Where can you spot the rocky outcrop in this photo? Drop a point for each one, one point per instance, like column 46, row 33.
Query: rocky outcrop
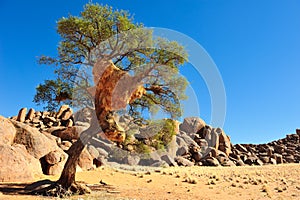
column 16, row 164
column 38, row 142
column 7, row 131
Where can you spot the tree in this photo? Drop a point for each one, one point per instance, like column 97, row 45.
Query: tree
column 131, row 69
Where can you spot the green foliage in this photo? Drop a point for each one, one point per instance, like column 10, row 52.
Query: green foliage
column 102, row 32
column 49, row 92
column 160, row 140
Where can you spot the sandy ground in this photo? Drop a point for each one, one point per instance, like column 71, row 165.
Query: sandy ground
column 267, row 182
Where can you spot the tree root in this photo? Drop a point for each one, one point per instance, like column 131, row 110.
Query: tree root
column 57, row 190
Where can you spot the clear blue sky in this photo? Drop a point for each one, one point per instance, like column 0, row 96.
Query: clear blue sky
column 255, row 44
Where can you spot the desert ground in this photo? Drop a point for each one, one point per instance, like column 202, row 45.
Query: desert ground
column 249, row 182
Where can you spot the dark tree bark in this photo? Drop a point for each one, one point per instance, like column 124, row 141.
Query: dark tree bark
column 102, row 120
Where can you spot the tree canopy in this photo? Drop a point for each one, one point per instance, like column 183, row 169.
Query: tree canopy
column 100, row 32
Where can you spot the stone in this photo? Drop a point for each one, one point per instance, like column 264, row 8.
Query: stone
column 65, row 145
column 265, row 159
column 102, row 152
column 180, row 142
column 228, row 163
column 181, row 161
column 160, row 163
column 17, row 165
column 211, row 151
column 168, row 159
column 47, row 120
column 188, row 140
column 7, row 131
column 192, row 125
column 22, row 115
column 30, row 114
column 273, row 161
column 241, row 148
column 224, row 143
column 298, row 131
column 210, row 161
column 36, row 143
column 69, row 123
column 66, row 115
column 56, row 169
column 68, row 133
column 251, row 160
column 98, row 143
column 240, row 163
column 100, row 161
column 212, row 138
column 290, row 159
column 85, row 161
column 61, row 111
column 56, row 156
column 55, row 162
column 279, row 149
column 36, row 120
column 181, row 151
column 93, row 151
column 132, row 160
column 197, row 156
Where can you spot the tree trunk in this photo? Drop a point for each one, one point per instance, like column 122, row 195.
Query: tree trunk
column 67, row 178
column 105, row 104
column 102, row 117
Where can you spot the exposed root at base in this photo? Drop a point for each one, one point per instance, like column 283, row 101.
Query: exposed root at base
column 57, row 190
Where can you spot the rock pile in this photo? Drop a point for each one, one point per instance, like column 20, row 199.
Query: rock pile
column 213, row 148
column 35, row 143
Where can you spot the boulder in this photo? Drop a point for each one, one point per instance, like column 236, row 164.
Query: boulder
column 252, row 160
column 55, row 169
column 290, row 159
column 210, row 161
column 7, row 131
column 36, row 143
column 279, row 148
column 69, row 133
column 61, row 110
column 132, row 160
column 65, row 145
column 22, row 115
column 192, row 125
column 85, row 161
column 181, row 151
column 56, row 161
column 102, row 152
column 93, row 151
column 98, row 143
column 66, row 115
column 212, row 137
column 187, row 139
column 17, row 165
column 224, row 143
column 241, row 148
column 169, row 159
column 56, row 156
column 181, row 161
column 30, row 115
column 197, row 156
